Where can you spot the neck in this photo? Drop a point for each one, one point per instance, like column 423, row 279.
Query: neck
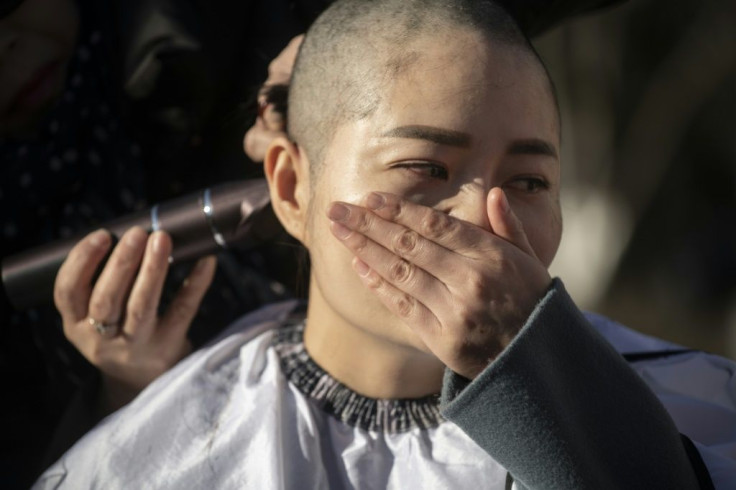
column 364, row 361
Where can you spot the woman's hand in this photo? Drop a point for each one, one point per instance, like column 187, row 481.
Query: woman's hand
column 465, row 291
column 114, row 322
column 270, row 123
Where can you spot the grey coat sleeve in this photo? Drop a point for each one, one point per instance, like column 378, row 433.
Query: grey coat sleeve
column 561, row 409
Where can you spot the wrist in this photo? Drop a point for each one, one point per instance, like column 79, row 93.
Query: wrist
column 113, row 395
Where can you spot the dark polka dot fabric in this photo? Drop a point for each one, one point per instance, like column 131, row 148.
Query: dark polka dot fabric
column 77, row 172
column 80, row 170
column 99, row 155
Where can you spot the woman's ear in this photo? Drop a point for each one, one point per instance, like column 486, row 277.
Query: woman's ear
column 287, row 172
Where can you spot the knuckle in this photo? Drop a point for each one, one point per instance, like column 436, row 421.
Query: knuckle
column 401, row 271
column 405, row 305
column 179, row 311
column 435, row 224
column 373, row 280
column 363, row 222
column 63, row 294
column 406, row 242
column 392, row 208
column 101, row 306
column 359, row 242
column 136, row 312
column 476, row 284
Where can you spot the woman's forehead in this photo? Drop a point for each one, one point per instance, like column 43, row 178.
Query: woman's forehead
column 491, row 88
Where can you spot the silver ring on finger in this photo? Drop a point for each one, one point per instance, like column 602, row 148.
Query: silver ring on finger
column 104, row 329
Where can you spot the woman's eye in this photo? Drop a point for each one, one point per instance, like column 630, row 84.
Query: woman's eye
column 426, row 169
column 529, row 184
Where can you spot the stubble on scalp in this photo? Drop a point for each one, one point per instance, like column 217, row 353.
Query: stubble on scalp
column 356, row 48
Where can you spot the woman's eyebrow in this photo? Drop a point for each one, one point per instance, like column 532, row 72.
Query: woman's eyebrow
column 532, row 146
column 440, row 136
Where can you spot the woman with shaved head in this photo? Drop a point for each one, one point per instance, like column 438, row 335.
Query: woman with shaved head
column 422, row 173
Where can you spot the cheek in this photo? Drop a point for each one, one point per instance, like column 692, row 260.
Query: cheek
column 326, row 251
column 333, row 274
column 544, row 231
column 331, row 260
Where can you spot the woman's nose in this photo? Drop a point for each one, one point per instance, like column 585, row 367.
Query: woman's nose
column 471, row 205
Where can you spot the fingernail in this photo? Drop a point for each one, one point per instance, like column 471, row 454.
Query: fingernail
column 375, row 201
column 338, row 212
column 340, row 231
column 361, row 267
column 99, row 238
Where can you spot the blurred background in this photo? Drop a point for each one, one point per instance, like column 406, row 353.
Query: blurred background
column 648, row 98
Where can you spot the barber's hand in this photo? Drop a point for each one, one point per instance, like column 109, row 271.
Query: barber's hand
column 465, row 291
column 114, row 322
column 271, row 124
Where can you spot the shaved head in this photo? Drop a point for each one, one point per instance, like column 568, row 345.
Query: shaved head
column 356, row 47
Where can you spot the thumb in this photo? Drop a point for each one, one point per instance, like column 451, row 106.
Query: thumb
column 504, row 223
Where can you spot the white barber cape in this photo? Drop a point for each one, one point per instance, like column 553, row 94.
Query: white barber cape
column 252, row 411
